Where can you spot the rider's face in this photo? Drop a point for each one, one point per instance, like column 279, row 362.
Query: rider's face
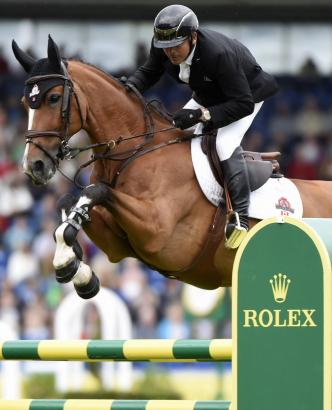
column 179, row 53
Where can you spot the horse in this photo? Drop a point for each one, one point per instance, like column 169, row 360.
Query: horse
column 143, row 200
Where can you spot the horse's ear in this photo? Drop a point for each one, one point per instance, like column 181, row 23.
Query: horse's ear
column 26, row 61
column 54, row 54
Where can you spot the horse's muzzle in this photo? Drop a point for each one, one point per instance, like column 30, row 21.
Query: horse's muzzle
column 39, row 171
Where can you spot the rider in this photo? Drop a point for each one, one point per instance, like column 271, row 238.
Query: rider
column 229, row 88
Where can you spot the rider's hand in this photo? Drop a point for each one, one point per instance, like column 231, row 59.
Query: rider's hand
column 186, row 118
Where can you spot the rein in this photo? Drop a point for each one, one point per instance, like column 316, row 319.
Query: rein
column 67, row 152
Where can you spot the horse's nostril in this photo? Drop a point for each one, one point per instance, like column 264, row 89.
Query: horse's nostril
column 38, row 166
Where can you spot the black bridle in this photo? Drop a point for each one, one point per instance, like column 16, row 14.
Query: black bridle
column 63, row 134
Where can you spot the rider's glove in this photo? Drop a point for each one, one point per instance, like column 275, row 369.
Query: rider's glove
column 186, row 118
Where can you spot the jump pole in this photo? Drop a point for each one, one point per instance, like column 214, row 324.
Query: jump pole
column 113, row 405
column 158, row 350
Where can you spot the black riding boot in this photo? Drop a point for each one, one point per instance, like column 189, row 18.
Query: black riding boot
column 236, row 177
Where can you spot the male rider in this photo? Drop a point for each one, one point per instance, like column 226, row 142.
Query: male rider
column 229, row 88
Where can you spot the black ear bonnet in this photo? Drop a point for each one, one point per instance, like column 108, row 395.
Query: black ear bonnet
column 36, row 88
column 35, row 91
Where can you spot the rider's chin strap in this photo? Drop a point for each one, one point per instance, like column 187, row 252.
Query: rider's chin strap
column 192, row 45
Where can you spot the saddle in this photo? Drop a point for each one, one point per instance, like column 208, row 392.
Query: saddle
column 261, row 165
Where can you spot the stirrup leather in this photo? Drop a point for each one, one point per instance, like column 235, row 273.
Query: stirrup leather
column 238, row 234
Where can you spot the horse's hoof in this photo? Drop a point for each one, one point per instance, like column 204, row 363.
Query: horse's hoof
column 66, row 274
column 90, row 289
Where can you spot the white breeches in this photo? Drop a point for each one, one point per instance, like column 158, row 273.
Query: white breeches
column 230, row 136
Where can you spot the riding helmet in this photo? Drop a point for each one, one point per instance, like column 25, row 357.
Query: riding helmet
column 173, row 25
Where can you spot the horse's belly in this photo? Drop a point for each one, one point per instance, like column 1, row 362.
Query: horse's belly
column 212, row 272
column 205, row 278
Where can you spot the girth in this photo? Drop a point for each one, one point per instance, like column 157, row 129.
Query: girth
column 205, row 257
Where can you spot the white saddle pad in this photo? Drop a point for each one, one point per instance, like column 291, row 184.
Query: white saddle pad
column 278, row 196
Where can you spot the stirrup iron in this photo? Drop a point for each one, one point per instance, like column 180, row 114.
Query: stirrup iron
column 238, row 234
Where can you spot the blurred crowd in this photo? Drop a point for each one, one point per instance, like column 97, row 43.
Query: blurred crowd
column 297, row 122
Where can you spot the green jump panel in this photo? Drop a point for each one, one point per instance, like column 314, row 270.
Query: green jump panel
column 282, row 318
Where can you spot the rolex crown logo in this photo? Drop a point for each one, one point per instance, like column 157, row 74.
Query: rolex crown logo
column 280, row 285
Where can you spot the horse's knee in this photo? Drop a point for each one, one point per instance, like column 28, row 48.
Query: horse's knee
column 65, row 203
column 96, row 194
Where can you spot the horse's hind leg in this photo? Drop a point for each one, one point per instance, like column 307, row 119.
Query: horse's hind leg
column 67, row 261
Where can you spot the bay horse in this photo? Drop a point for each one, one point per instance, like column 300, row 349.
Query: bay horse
column 144, row 200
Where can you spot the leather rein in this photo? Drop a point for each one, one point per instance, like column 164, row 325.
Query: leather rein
column 68, row 152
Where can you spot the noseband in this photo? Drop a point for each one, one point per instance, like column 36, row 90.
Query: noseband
column 63, row 134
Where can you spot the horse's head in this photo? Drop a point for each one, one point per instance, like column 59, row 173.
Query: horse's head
column 48, row 97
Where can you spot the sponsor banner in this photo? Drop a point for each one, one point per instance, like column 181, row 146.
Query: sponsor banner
column 282, row 285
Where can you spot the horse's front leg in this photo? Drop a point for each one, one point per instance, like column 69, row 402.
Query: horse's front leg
column 67, row 261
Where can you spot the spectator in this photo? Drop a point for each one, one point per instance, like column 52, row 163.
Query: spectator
column 35, row 322
column 309, row 69
column 4, row 66
column 146, row 323
column 9, row 312
column 305, row 163
column 328, row 121
column 19, row 235
column 92, row 328
column 325, row 169
column 22, row 263
column 282, row 121
column 3, row 265
column 132, row 281
column 107, row 272
column 254, row 141
column 7, row 131
column 43, row 246
column 141, row 54
column 310, row 119
column 173, row 326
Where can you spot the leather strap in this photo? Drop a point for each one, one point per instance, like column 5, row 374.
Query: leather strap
column 206, row 255
column 210, row 147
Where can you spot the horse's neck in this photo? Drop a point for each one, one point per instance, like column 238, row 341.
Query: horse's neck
column 111, row 115
column 112, row 111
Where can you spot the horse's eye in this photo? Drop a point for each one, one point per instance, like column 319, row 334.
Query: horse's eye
column 54, row 98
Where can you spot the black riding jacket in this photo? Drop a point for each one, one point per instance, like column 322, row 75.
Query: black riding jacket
column 224, row 76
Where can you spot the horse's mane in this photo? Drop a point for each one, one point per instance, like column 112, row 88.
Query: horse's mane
column 100, row 70
column 155, row 104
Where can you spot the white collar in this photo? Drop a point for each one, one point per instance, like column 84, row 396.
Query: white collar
column 189, row 59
